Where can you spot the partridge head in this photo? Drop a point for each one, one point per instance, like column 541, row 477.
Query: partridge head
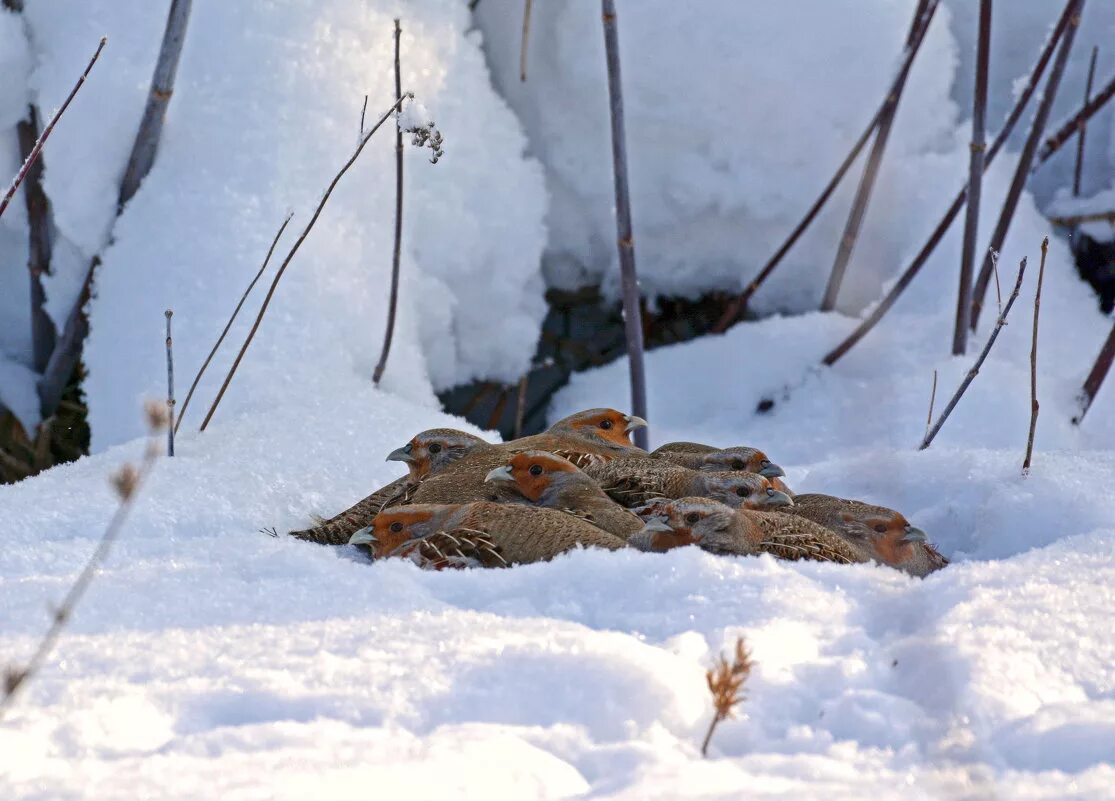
column 430, row 450
column 712, row 526
column 603, row 427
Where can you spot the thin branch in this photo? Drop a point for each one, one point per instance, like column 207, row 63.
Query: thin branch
column 127, row 482
column 38, row 148
column 932, row 400
column 1095, row 377
column 393, row 299
column 1025, row 159
column 1073, row 123
column 632, row 319
column 975, row 182
column 1077, row 219
column 927, row 441
column 154, row 113
column 363, row 111
column 1084, row 124
column 169, row 385
column 294, row 249
column 923, row 17
column 228, row 325
column 1034, row 406
column 908, row 275
column 527, row 4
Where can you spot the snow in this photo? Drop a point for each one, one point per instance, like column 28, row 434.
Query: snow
column 1065, row 205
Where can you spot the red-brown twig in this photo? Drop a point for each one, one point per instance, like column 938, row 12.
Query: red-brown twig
column 975, row 181
column 923, row 17
column 1034, row 406
column 908, row 275
column 231, row 320
column 393, row 298
column 632, row 319
column 169, row 385
column 1084, row 124
column 726, row 684
column 527, row 4
column 1077, row 219
column 127, row 482
column 1073, row 123
column 1095, row 377
column 38, row 148
column 971, row 375
column 294, row 249
column 1025, row 160
column 932, row 400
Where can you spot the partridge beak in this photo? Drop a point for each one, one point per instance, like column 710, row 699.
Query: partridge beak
column 634, row 422
column 656, row 523
column 363, row 537
column 914, row 534
column 771, row 470
column 402, row 454
column 777, row 498
column 502, row 473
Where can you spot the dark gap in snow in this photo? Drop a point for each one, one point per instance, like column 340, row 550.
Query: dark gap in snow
column 1095, row 260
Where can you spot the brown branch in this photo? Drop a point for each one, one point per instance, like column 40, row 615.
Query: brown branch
column 922, row 18
column 38, row 148
column 975, row 181
column 1034, row 406
column 932, row 400
column 228, row 325
column 726, row 684
column 1095, row 377
column 127, row 482
column 908, row 275
column 971, row 375
column 632, row 318
column 294, row 249
column 393, row 298
column 1072, row 125
column 1025, row 160
column 1084, row 124
column 1077, row 219
column 169, row 385
column 527, row 4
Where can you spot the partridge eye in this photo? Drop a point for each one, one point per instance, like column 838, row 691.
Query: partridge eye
column 605, row 424
column 743, row 492
column 396, row 526
column 536, row 469
column 880, row 528
column 435, row 448
column 737, row 465
column 692, row 517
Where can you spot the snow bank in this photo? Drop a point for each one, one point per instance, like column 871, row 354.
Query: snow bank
column 735, row 122
column 265, row 111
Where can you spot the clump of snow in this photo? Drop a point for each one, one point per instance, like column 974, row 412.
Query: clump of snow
column 736, row 120
column 15, row 65
column 264, row 113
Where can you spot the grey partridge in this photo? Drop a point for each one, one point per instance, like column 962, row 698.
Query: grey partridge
column 425, row 455
column 547, row 480
column 633, row 481
column 479, row 534
column 878, row 533
column 696, row 456
column 718, row 528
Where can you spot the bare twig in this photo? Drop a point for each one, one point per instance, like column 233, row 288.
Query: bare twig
column 971, row 375
column 228, row 325
column 162, row 87
column 393, row 298
column 998, row 286
column 1095, row 377
column 1025, row 159
column 1034, row 406
column 1077, row 219
column 38, row 148
column 1073, row 123
column 923, row 16
column 527, row 4
column 169, row 385
column 363, row 111
column 294, row 249
column 908, row 275
column 725, row 683
column 127, row 482
column 521, row 404
column 932, row 400
column 975, row 182
column 1084, row 124
column 40, row 241
column 632, row 319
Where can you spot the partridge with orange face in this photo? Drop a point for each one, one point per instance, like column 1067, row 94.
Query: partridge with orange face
column 878, row 533
column 426, row 454
column 696, row 456
column 550, row 481
column 720, row 529
column 479, row 534
column 635, row 481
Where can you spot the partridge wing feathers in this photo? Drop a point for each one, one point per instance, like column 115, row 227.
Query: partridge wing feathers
column 633, row 482
column 789, row 537
column 525, row 534
column 337, row 529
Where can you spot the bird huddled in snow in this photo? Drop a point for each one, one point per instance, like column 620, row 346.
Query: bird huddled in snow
column 583, row 484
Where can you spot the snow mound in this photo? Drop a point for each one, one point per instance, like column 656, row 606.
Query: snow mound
column 265, row 111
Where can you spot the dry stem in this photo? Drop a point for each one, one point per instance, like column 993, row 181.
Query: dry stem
column 725, row 683
column 932, row 400
column 1034, row 363
column 1083, row 125
column 169, row 385
column 527, row 4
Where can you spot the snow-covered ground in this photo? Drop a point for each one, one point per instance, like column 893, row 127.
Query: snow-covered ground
column 210, row 660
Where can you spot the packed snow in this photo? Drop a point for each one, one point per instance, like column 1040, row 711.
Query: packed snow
column 210, row 659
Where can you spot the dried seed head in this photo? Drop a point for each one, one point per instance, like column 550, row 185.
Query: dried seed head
column 125, row 480
column 726, row 679
column 157, row 415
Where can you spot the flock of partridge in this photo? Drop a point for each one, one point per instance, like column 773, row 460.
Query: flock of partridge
column 581, row 483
